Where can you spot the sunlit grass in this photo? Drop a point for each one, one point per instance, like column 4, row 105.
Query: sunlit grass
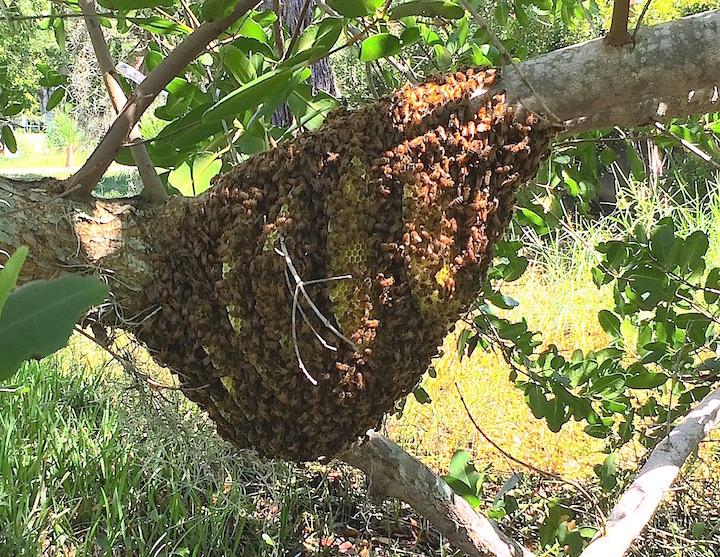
column 564, row 313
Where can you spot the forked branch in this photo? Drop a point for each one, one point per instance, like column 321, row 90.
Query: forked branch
column 153, row 186
column 93, row 170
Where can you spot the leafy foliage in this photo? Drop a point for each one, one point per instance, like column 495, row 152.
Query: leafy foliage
column 37, row 318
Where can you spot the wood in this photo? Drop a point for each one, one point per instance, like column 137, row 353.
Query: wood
column 671, row 72
column 618, row 34
column 391, row 472
column 638, row 504
column 154, row 189
column 84, row 181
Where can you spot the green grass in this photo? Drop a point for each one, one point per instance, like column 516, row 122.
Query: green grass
column 90, row 465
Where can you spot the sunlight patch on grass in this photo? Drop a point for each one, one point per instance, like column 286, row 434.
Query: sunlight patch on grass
column 565, row 312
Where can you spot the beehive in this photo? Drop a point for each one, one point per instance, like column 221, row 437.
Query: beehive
column 406, row 196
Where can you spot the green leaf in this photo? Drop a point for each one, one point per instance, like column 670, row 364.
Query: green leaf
column 607, row 157
column 181, row 179
column 127, row 5
column 427, row 8
column 411, row 35
column 8, row 139
column 503, row 301
column 355, row 8
column 253, row 30
column 637, row 166
column 662, row 239
column 537, row 401
column 248, row 96
column 215, row 10
column 536, row 220
column 186, row 131
column 322, row 36
column 607, row 472
column 379, row 46
column 59, row 32
column 55, row 98
column 205, row 167
column 610, row 323
column 237, row 62
column 501, row 12
column 463, row 470
column 38, row 317
column 521, row 13
column 646, row 380
column 463, row 341
column 692, row 254
column 10, row 272
column 421, row 395
column 13, row 109
column 160, row 25
column 712, row 283
column 310, row 110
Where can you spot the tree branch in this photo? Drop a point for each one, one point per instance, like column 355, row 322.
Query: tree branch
column 153, row 186
column 618, row 34
column 92, row 171
column 392, row 472
column 672, row 71
column 637, row 506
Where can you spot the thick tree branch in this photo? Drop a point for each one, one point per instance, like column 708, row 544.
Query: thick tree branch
column 638, row 504
column 153, row 186
column 391, row 472
column 92, row 171
column 673, row 70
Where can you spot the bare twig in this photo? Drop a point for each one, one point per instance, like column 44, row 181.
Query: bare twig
column 516, row 460
column 640, row 19
column 296, row 32
column 277, row 30
column 694, row 149
column 300, row 285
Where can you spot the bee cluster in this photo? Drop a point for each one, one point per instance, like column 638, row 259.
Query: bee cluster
column 387, row 216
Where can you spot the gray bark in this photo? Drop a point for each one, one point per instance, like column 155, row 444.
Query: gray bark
column 391, row 472
column 638, row 503
column 321, row 77
column 672, row 70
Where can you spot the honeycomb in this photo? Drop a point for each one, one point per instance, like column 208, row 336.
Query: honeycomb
column 388, row 215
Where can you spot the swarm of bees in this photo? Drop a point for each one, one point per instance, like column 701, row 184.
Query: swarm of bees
column 309, row 289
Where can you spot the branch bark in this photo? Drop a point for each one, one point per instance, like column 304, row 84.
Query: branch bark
column 153, row 186
column 673, row 70
column 618, row 34
column 637, row 506
column 92, row 171
column 392, row 472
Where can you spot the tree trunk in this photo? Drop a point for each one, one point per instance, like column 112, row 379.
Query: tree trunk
column 321, row 77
